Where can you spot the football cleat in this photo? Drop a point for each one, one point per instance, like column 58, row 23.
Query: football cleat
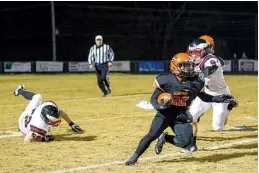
column 190, row 149
column 109, row 90
column 48, row 138
column 160, row 143
column 16, row 92
column 105, row 95
column 132, row 160
column 129, row 163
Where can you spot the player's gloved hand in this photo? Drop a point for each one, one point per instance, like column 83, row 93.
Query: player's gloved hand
column 184, row 116
column 165, row 105
column 232, row 103
column 75, row 127
column 222, row 98
column 48, row 138
column 192, row 86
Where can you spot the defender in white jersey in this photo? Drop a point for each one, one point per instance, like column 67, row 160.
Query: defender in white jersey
column 212, row 68
column 38, row 118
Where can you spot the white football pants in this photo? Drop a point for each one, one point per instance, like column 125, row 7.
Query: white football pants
column 220, row 111
column 34, row 103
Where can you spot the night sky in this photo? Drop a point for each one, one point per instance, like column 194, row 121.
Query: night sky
column 26, row 28
column 239, row 6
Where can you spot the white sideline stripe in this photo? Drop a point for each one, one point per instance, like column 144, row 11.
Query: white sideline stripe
column 252, row 118
column 39, row 91
column 229, row 145
column 81, row 168
column 12, row 134
column 88, row 98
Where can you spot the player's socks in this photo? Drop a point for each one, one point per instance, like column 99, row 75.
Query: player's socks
column 194, row 140
column 169, row 139
column 26, row 94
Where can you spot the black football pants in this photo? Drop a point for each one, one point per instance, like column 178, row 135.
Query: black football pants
column 183, row 132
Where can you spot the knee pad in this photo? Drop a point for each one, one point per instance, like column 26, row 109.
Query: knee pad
column 184, row 138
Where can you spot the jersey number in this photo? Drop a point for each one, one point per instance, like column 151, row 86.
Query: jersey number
column 180, row 100
column 27, row 120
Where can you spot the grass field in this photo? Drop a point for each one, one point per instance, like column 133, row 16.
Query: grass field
column 114, row 125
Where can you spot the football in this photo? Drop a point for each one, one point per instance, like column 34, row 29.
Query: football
column 164, row 98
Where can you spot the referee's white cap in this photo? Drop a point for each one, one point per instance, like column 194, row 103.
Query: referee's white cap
column 98, row 37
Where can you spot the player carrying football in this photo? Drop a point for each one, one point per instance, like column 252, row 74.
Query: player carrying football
column 184, row 86
column 38, row 118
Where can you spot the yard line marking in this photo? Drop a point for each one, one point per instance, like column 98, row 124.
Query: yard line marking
column 252, row 118
column 88, row 98
column 120, row 162
column 43, row 90
column 11, row 134
column 229, row 145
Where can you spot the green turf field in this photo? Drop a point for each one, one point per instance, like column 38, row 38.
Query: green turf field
column 114, row 125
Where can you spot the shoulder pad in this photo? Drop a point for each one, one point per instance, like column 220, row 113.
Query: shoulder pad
column 163, row 74
column 205, row 59
column 222, row 62
column 161, row 79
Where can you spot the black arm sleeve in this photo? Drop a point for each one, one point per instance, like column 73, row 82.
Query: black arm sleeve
column 205, row 97
column 209, row 70
column 153, row 100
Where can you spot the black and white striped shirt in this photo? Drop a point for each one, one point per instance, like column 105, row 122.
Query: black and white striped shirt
column 100, row 55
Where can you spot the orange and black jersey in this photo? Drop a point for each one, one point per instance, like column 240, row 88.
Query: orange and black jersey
column 167, row 82
column 182, row 93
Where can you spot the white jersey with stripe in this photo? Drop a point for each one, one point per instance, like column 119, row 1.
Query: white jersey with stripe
column 101, row 54
column 214, row 81
column 33, row 123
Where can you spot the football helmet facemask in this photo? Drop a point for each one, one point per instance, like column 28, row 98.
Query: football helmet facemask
column 51, row 115
column 198, row 49
column 182, row 65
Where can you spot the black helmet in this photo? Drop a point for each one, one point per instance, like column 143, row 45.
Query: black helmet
column 50, row 115
column 198, row 49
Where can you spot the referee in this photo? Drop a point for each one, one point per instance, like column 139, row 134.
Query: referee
column 101, row 56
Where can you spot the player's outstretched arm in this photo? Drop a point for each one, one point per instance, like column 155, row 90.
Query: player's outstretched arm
column 218, row 99
column 209, row 70
column 74, row 127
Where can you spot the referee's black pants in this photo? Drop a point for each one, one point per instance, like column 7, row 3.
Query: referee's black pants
column 183, row 132
column 102, row 71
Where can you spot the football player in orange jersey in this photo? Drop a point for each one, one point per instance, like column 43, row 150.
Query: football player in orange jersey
column 184, row 86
